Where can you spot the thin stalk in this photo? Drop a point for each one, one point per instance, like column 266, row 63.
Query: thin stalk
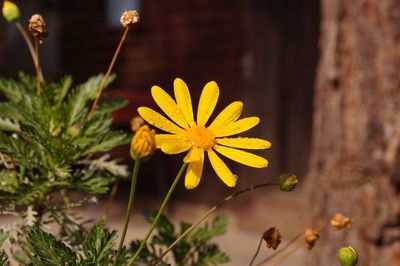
column 38, row 68
column 160, row 211
column 109, row 202
column 289, row 253
column 202, row 218
column 257, row 251
column 31, row 50
column 129, row 209
column 110, row 67
column 280, row 251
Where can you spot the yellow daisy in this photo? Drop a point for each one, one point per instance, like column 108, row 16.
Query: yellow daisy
column 186, row 134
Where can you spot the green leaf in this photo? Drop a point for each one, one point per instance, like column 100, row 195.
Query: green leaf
column 98, row 244
column 218, row 228
column 8, row 182
column 3, row 258
column 48, row 251
column 211, row 255
column 3, row 236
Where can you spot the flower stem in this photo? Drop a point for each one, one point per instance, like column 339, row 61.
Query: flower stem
column 31, row 50
column 160, row 211
column 110, row 67
column 129, row 209
column 202, row 218
column 257, row 251
column 38, row 69
column 110, row 200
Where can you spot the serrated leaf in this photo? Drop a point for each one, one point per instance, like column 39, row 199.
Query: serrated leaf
column 48, row 251
column 98, row 244
column 3, row 258
column 218, row 228
column 8, row 181
column 3, row 236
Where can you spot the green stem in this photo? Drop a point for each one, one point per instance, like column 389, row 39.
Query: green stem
column 129, row 209
column 201, row 219
column 160, row 211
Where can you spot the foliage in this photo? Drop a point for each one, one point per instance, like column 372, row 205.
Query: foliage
column 194, row 250
column 49, row 146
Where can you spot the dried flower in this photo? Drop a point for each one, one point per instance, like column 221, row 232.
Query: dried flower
column 348, row 256
column 37, row 26
column 136, row 123
column 272, row 237
column 143, row 144
column 288, row 182
column 195, row 137
column 10, row 11
column 310, row 236
column 128, row 18
column 339, row 221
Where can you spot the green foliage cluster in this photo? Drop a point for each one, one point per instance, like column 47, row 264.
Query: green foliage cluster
column 194, row 250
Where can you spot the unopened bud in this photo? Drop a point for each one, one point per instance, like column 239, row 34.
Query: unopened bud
column 37, row 26
column 10, row 11
column 310, row 237
column 143, row 144
column 272, row 237
column 339, row 221
column 348, row 256
column 128, row 18
column 288, row 182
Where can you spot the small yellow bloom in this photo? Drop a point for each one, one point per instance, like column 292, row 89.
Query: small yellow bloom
column 143, row 144
column 10, row 11
column 186, row 134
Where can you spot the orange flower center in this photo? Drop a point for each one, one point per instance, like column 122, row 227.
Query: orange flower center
column 200, row 137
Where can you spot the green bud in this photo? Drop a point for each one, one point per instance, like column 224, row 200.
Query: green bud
column 75, row 130
column 348, row 256
column 287, row 182
column 10, row 11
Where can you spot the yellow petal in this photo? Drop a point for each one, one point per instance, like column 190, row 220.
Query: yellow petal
column 236, row 127
column 229, row 115
column 182, row 96
column 194, row 171
column 208, row 100
column 159, row 121
column 193, row 155
column 168, row 105
column 166, row 138
column 221, row 169
column 242, row 157
column 245, row 143
column 175, row 147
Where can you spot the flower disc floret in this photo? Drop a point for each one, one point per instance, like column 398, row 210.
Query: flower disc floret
column 185, row 134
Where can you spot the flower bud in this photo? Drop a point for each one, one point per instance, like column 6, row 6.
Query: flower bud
column 288, row 182
column 37, row 26
column 348, row 256
column 10, row 11
column 128, row 18
column 143, row 144
column 339, row 221
column 272, row 237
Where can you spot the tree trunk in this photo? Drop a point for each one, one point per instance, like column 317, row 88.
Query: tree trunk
column 355, row 159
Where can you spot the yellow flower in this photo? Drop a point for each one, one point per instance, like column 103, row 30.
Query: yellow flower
column 186, row 134
column 143, row 143
column 10, row 11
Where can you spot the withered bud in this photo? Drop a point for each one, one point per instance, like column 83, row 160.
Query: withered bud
column 339, row 221
column 128, row 18
column 310, row 237
column 37, row 26
column 136, row 123
column 272, row 237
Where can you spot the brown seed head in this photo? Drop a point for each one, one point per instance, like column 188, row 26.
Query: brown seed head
column 339, row 221
column 310, row 237
column 128, row 18
column 37, row 26
column 272, row 237
column 136, row 123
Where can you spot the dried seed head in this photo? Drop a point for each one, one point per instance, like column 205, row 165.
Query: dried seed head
column 310, row 237
column 37, row 26
column 10, row 11
column 272, row 237
column 136, row 123
column 143, row 144
column 128, row 18
column 339, row 221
